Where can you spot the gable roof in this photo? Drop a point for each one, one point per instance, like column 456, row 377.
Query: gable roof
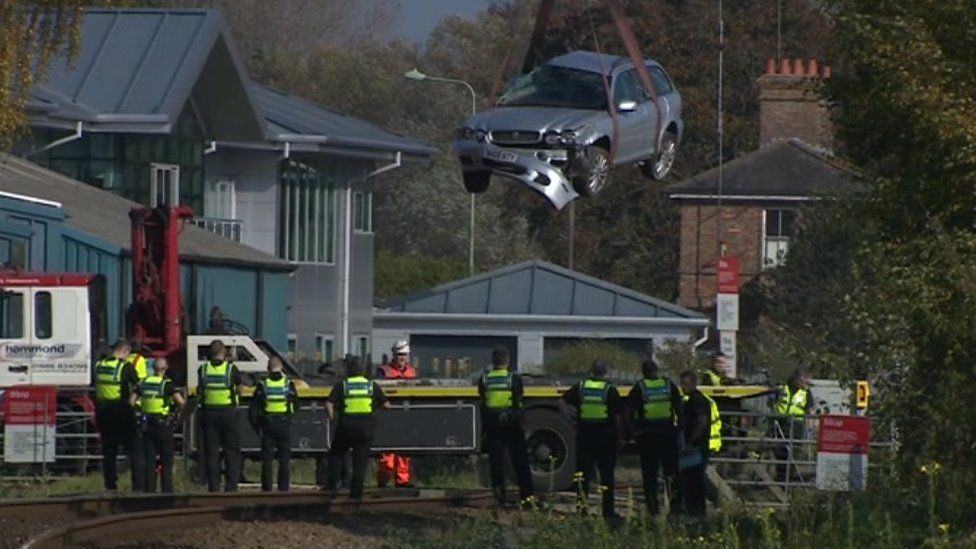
column 137, row 68
column 105, row 216
column 289, row 117
column 539, row 288
column 791, row 170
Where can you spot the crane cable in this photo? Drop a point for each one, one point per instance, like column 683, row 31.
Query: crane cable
column 605, row 77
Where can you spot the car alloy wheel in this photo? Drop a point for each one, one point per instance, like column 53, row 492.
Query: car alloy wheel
column 599, row 170
column 665, row 159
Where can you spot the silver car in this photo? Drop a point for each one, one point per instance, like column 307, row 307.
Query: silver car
column 552, row 130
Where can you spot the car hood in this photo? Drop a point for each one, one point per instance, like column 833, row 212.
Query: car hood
column 533, row 119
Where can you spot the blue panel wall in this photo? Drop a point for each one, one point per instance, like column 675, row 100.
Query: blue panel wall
column 84, row 254
column 275, row 309
column 234, row 290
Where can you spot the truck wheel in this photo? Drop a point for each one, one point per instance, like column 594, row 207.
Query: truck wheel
column 476, row 182
column 552, row 449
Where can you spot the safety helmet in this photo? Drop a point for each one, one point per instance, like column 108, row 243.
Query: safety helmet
column 401, row 347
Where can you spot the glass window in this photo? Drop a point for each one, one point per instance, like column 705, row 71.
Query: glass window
column 307, row 213
column 662, row 83
column 551, row 86
column 11, row 315
column 628, row 88
column 164, row 185
column 42, row 315
column 362, row 348
column 778, row 230
column 219, row 200
column 292, row 352
column 362, row 204
column 324, row 348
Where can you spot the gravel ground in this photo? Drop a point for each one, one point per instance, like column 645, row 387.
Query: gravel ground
column 16, row 531
column 366, row 530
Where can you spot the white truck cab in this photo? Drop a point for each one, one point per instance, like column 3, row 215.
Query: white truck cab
column 47, row 324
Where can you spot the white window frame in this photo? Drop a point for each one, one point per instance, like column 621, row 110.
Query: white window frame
column 173, row 192
column 291, row 350
column 314, row 235
column 782, row 242
column 363, row 225
column 323, row 342
column 216, row 194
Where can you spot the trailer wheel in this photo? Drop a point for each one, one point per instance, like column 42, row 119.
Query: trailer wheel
column 552, row 449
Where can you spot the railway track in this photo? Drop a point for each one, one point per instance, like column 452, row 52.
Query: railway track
column 114, row 517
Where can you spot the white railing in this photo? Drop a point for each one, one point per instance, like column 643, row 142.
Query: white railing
column 227, row 228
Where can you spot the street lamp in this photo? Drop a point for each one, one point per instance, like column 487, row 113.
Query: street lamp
column 416, row 75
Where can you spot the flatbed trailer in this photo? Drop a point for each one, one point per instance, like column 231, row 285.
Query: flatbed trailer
column 443, row 417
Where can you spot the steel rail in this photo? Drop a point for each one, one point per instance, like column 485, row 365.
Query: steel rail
column 188, row 510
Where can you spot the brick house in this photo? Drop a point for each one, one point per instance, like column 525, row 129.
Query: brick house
column 762, row 191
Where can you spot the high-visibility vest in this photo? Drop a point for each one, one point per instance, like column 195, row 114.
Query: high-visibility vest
column 711, row 378
column 792, row 403
column 715, row 433
column 656, row 394
column 358, row 396
column 276, row 396
column 498, row 389
column 714, row 421
column 218, row 386
column 141, row 365
column 594, row 404
column 154, row 401
column 108, row 379
column 392, row 371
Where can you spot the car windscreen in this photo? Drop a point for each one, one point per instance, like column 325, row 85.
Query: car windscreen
column 551, row 86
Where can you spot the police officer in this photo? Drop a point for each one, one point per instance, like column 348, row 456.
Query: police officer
column 156, row 395
column 115, row 379
column 352, row 406
column 138, row 361
column 655, row 403
column 393, row 466
column 500, row 390
column 715, row 375
column 274, row 403
column 597, row 404
column 219, row 382
column 697, row 420
column 794, row 402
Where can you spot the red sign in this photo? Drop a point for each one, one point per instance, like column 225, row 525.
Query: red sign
column 728, row 275
column 30, row 405
column 844, row 435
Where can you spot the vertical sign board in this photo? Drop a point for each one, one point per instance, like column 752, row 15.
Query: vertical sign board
column 727, row 309
column 842, row 453
column 29, row 423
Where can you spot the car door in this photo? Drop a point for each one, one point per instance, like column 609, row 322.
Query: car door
column 669, row 100
column 15, row 337
column 633, row 140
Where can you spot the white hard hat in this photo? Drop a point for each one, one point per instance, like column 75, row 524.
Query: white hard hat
column 401, row 347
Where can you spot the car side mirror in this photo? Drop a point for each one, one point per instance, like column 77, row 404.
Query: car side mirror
column 627, row 106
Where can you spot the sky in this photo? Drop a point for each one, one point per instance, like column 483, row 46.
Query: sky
column 419, row 17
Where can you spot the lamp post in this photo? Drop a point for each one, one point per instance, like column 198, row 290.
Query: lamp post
column 418, row 76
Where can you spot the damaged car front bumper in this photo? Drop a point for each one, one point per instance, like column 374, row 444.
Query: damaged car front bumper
column 540, row 169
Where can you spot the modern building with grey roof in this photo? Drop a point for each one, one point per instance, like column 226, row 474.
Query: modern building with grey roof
column 158, row 108
column 532, row 308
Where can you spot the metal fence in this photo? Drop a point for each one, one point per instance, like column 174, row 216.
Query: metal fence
column 767, row 459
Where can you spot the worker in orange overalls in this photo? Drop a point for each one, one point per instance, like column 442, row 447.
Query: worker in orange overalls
column 393, row 466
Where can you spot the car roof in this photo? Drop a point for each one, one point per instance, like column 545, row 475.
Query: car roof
column 589, row 61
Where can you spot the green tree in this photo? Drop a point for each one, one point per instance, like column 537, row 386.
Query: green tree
column 31, row 33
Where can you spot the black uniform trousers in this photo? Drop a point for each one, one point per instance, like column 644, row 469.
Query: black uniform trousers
column 504, row 431
column 157, row 440
column 354, row 434
column 276, row 443
column 117, row 428
column 693, row 485
column 658, row 450
column 221, row 431
column 596, row 445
